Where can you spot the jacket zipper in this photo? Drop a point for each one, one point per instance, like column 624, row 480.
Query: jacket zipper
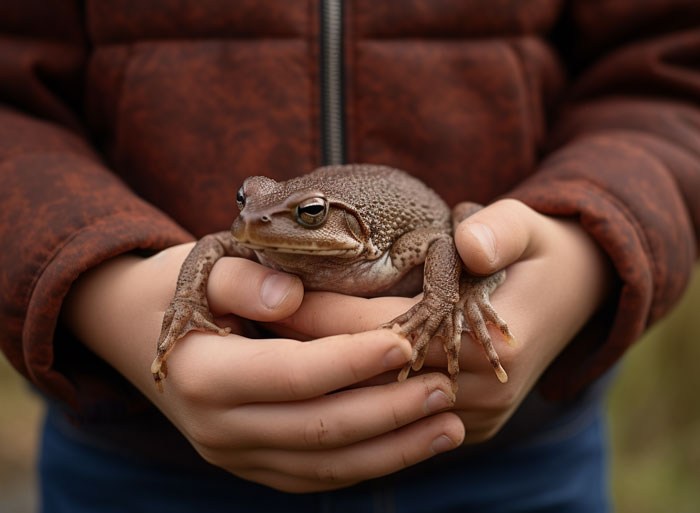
column 332, row 118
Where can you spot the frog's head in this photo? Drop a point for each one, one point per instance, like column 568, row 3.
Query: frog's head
column 290, row 217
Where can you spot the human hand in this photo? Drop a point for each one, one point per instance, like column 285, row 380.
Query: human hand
column 263, row 409
column 556, row 279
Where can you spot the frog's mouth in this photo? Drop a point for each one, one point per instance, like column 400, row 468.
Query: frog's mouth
column 305, row 250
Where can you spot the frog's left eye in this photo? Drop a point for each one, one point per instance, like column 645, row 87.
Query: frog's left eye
column 312, row 212
column 240, row 198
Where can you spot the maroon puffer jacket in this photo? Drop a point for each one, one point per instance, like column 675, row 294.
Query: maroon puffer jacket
column 122, row 121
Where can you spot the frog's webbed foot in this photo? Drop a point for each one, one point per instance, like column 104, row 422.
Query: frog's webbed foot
column 476, row 309
column 437, row 316
column 432, row 316
column 182, row 316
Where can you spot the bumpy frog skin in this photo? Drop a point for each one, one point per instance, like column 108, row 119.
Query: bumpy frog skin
column 363, row 230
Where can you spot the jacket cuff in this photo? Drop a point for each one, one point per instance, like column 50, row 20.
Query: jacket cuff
column 55, row 361
column 646, row 234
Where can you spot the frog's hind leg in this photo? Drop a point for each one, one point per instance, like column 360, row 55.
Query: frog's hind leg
column 433, row 314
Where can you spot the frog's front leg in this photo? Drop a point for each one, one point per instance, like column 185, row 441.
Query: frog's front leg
column 435, row 313
column 453, row 302
column 474, row 309
column 189, row 308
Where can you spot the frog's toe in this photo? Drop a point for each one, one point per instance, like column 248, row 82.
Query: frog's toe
column 452, row 343
column 408, row 323
column 202, row 320
column 475, row 303
column 403, row 374
column 476, row 323
column 420, row 324
column 492, row 316
column 420, row 349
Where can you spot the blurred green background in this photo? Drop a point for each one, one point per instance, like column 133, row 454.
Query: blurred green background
column 655, row 416
column 654, row 422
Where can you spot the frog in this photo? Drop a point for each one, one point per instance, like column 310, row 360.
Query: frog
column 359, row 229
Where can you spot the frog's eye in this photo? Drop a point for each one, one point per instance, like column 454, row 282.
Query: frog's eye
column 240, row 198
column 312, row 212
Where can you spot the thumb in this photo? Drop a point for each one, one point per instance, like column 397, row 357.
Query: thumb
column 496, row 236
column 252, row 291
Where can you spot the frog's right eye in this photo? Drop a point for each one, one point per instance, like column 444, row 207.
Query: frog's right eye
column 240, row 198
column 312, row 212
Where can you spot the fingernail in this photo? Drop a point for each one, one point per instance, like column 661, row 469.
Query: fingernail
column 441, row 444
column 486, row 239
column 437, row 401
column 395, row 357
column 275, row 288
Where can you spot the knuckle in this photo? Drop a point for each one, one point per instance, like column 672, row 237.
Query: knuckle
column 403, row 456
column 491, row 431
column 396, row 416
column 514, row 205
column 192, row 388
column 209, row 455
column 405, row 459
column 482, row 430
column 504, row 399
column 206, row 438
column 518, row 213
column 355, row 369
column 297, row 382
column 482, row 436
column 327, row 471
column 317, row 434
column 508, row 356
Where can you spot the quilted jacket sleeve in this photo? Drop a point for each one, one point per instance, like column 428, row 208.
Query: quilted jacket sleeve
column 62, row 210
column 625, row 159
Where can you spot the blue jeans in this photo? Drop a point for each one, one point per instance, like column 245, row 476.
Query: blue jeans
column 563, row 474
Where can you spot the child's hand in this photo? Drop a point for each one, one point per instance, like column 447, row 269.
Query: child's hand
column 556, row 279
column 259, row 408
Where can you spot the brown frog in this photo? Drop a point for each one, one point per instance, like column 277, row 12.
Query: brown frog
column 363, row 230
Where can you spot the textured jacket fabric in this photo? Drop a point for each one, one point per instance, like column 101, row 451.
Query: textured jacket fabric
column 124, row 123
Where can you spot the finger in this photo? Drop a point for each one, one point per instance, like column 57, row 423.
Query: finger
column 252, row 291
column 488, row 405
column 497, row 236
column 236, row 370
column 343, row 314
column 340, row 419
column 370, row 459
column 284, row 482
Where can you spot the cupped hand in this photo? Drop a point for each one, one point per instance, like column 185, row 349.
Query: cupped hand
column 556, row 279
column 276, row 411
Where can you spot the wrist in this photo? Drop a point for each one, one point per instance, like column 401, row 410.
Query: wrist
column 115, row 310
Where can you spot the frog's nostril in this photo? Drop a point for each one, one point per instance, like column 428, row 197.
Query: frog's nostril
column 265, row 218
